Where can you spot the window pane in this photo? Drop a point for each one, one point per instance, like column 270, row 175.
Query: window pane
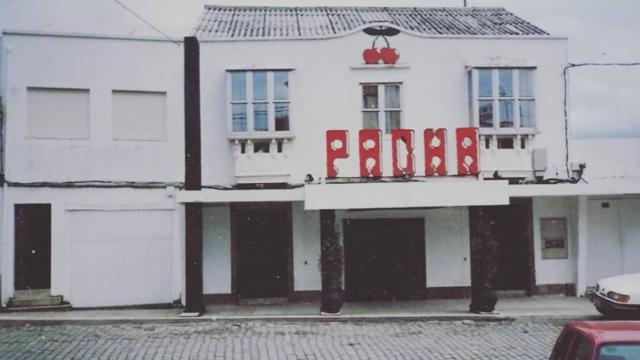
column 392, row 96
column 282, row 117
column 486, row 113
column 238, row 86
column 619, row 351
column 505, row 79
column 485, row 83
column 392, row 121
column 239, row 117
column 260, row 85
column 527, row 113
column 370, row 120
column 506, row 113
column 281, row 85
column 260, row 117
column 370, row 96
column 526, row 83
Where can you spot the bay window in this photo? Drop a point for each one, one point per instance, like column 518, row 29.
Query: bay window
column 259, row 101
column 502, row 105
column 503, row 98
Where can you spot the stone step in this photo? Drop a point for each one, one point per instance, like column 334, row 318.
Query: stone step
column 63, row 306
column 33, row 302
column 32, row 294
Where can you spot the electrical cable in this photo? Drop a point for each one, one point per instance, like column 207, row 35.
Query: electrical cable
column 146, row 22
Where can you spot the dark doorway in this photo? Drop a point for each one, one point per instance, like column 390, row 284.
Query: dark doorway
column 384, row 259
column 509, row 231
column 33, row 246
column 263, row 237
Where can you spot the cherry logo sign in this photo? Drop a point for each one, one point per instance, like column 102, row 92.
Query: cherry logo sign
column 386, row 54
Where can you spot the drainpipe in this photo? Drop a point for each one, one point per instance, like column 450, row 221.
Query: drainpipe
column 194, row 305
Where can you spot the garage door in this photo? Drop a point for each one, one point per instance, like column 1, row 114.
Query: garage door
column 613, row 238
column 121, row 257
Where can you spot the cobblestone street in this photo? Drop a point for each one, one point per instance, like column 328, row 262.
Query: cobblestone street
column 390, row 339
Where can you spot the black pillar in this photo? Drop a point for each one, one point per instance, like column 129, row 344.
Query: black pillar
column 484, row 249
column 327, row 241
column 192, row 176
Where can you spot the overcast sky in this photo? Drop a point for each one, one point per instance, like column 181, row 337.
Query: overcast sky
column 604, row 101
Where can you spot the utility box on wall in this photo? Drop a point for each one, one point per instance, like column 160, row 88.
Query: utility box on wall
column 553, row 235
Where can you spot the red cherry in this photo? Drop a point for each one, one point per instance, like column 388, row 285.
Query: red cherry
column 389, row 55
column 371, row 56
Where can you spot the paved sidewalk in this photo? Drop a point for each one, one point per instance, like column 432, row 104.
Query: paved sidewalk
column 270, row 340
column 560, row 307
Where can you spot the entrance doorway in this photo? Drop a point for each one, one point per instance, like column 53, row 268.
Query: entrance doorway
column 32, row 246
column 509, row 229
column 263, row 238
column 384, row 259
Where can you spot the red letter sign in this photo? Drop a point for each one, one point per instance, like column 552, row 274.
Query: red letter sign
column 435, row 152
column 467, row 146
column 370, row 144
column 337, row 148
column 402, row 151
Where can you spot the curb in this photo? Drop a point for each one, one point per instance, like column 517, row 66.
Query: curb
column 53, row 322
column 492, row 318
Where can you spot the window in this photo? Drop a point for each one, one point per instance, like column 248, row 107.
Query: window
column 381, row 107
column 503, row 98
column 259, row 100
column 613, row 351
column 57, row 113
column 139, row 115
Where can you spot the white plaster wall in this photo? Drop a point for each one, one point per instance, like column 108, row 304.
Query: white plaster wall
column 216, row 250
column 100, row 65
column 325, row 92
column 306, row 249
column 447, row 244
column 607, row 158
column 556, row 271
column 63, row 203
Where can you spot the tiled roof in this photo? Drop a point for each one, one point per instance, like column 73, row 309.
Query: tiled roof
column 251, row 22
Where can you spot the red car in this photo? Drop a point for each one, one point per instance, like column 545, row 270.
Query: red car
column 598, row 340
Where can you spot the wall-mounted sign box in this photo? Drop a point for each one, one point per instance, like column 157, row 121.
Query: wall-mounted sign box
column 553, row 235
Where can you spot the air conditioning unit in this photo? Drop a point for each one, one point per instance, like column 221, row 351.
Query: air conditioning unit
column 539, row 162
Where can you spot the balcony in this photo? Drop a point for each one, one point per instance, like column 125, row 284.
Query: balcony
column 508, row 153
column 261, row 158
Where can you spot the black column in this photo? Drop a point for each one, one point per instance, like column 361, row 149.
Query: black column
column 192, row 176
column 327, row 232
column 484, row 248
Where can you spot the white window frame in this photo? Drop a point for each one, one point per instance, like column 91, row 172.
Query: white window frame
column 382, row 104
column 523, row 137
column 249, row 102
column 495, row 98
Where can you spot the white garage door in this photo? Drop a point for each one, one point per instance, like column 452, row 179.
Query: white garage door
column 613, row 238
column 121, row 257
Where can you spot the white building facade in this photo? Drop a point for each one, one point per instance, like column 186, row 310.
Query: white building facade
column 94, row 158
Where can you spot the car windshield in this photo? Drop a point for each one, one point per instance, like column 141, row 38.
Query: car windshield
column 619, row 352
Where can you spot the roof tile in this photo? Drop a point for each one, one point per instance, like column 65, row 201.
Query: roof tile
column 252, row 22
